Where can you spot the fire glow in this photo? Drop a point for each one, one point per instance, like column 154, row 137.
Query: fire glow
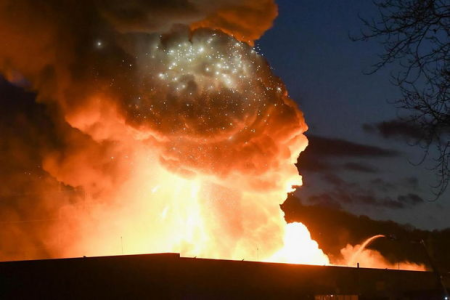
column 223, row 138
column 179, row 135
column 186, row 193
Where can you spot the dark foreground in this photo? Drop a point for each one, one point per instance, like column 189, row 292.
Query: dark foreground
column 168, row 276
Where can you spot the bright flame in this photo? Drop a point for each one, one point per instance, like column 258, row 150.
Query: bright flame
column 299, row 248
column 198, row 216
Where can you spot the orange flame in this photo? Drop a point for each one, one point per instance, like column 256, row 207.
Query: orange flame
column 183, row 141
column 299, row 248
column 156, row 210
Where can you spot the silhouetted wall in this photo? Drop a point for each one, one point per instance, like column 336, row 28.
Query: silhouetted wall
column 168, row 276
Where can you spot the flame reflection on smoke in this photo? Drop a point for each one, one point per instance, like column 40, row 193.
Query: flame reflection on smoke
column 178, row 133
column 194, row 216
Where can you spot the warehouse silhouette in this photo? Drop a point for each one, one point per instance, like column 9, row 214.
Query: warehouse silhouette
column 169, row 276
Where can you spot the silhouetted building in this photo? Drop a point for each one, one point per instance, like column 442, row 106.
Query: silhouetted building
column 169, row 276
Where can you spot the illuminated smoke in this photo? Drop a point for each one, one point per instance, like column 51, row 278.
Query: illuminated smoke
column 172, row 129
column 167, row 132
column 367, row 258
column 210, row 139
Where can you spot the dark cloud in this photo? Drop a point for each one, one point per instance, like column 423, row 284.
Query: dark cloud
column 395, row 129
column 382, row 185
column 411, row 183
column 325, row 200
column 327, row 157
column 388, row 203
column 334, row 228
column 329, row 147
column 309, row 161
column 337, row 191
column 410, row 199
column 370, row 199
column 334, row 180
column 359, row 167
column 321, row 151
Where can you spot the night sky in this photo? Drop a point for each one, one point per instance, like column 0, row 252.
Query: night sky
column 351, row 163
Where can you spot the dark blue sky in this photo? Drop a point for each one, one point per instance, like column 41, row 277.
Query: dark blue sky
column 310, row 49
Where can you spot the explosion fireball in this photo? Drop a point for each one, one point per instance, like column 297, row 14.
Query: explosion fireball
column 170, row 130
column 219, row 138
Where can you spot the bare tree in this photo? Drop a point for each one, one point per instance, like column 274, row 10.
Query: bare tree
column 416, row 38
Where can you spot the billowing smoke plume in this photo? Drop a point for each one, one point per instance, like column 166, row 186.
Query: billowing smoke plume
column 149, row 126
column 165, row 131
column 209, row 101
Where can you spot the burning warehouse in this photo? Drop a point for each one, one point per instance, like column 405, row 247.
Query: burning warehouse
column 159, row 126
column 156, row 122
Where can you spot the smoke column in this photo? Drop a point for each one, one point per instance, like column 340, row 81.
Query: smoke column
column 149, row 126
column 159, row 129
